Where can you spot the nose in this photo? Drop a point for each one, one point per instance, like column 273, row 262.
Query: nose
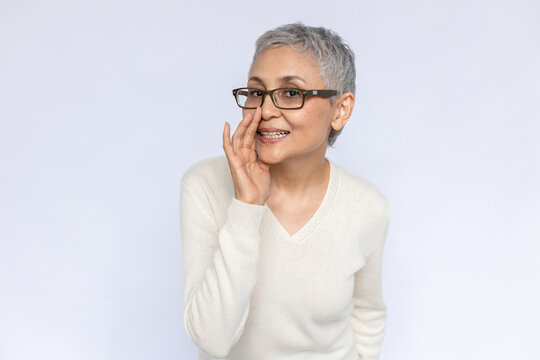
column 269, row 110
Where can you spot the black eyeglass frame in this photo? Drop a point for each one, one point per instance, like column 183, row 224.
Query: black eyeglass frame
column 324, row 93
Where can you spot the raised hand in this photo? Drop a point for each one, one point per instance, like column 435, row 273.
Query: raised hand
column 251, row 177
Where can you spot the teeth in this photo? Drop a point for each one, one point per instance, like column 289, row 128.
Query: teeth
column 271, row 135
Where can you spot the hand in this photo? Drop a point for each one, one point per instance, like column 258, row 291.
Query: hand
column 251, row 177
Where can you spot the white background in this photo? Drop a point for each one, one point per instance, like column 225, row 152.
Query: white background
column 105, row 104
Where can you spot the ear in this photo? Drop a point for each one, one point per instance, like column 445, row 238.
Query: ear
column 344, row 108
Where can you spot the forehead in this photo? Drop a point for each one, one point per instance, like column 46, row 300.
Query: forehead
column 282, row 62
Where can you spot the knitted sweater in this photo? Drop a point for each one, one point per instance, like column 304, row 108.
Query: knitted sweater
column 252, row 291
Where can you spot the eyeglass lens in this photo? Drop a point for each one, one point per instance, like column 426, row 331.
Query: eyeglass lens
column 283, row 98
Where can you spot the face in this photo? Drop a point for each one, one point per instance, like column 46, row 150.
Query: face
column 308, row 127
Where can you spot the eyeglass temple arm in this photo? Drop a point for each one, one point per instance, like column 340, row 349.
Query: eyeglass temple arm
column 240, row 92
column 322, row 93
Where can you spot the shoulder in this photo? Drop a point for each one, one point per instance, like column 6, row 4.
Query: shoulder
column 211, row 172
column 362, row 195
column 208, row 184
column 364, row 209
column 210, row 179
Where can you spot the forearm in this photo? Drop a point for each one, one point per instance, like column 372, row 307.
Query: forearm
column 218, row 293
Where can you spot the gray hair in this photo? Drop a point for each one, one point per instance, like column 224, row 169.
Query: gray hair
column 333, row 56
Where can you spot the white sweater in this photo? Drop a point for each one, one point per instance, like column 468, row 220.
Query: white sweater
column 254, row 292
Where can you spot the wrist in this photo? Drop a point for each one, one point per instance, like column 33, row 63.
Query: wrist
column 251, row 201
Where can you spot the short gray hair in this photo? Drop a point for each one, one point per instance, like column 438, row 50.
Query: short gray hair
column 333, row 56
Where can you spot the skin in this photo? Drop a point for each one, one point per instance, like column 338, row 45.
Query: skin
column 291, row 176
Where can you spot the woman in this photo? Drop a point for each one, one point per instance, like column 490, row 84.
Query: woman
column 282, row 248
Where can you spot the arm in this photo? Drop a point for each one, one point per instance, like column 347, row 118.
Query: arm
column 220, row 269
column 369, row 311
column 221, row 265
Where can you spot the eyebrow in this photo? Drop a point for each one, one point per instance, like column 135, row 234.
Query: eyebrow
column 292, row 77
column 254, row 78
column 283, row 79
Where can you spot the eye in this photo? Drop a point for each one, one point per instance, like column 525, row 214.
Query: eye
column 255, row 92
column 291, row 93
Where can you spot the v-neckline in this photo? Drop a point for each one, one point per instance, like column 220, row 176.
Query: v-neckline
column 319, row 215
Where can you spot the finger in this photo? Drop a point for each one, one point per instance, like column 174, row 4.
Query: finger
column 227, row 145
column 232, row 158
column 238, row 136
column 249, row 138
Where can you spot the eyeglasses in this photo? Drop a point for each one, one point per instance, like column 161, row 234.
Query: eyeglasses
column 283, row 98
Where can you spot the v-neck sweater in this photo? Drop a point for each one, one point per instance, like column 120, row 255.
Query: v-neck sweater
column 253, row 291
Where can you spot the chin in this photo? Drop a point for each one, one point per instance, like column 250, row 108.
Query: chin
column 270, row 160
column 269, row 157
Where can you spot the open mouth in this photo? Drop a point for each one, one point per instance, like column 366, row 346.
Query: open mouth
column 273, row 134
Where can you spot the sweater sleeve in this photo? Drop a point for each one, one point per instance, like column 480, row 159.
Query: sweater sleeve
column 220, row 268
column 369, row 311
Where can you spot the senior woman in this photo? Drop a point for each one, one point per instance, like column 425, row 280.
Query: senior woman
column 282, row 248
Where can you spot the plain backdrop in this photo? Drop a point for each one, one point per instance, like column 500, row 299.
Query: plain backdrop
column 105, row 104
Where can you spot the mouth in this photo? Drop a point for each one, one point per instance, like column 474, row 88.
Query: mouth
column 273, row 134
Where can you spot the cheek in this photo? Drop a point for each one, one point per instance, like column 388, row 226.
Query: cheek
column 313, row 125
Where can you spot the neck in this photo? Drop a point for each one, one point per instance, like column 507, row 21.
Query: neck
column 298, row 175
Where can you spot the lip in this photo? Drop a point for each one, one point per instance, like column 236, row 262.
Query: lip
column 264, row 140
column 272, row 129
